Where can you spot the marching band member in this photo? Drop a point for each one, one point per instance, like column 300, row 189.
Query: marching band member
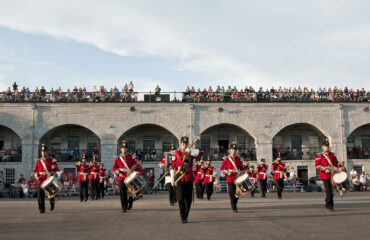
column 231, row 166
column 166, row 162
column 253, row 175
column 122, row 167
column 199, row 177
column 83, row 179
column 94, row 179
column 262, row 177
column 102, row 178
column 325, row 163
column 185, row 184
column 278, row 167
column 209, row 178
column 45, row 167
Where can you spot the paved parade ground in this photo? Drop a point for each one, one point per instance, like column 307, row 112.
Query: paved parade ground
column 296, row 216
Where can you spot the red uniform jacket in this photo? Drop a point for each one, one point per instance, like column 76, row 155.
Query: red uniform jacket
column 189, row 177
column 227, row 165
column 21, row 180
column 94, row 173
column 208, row 177
column 119, row 166
column 262, row 172
column 199, row 173
column 83, row 171
column 151, row 177
column 101, row 175
column 172, row 162
column 253, row 175
column 321, row 161
column 39, row 170
column 139, row 169
column 278, row 169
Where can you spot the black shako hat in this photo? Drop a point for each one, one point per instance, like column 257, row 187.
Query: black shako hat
column 233, row 145
column 184, row 139
column 44, row 147
column 124, row 145
column 325, row 142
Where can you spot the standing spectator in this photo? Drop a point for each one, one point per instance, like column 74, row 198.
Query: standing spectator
column 96, row 153
column 1, row 182
column 15, row 87
column 157, row 90
column 130, row 87
column 151, row 180
column 138, row 154
column 147, row 153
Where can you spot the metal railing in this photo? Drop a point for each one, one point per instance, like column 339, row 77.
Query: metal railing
column 358, row 153
column 72, row 155
column 186, row 96
column 216, row 154
column 304, row 153
column 11, row 155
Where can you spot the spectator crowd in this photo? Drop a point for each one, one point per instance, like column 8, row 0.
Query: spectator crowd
column 219, row 94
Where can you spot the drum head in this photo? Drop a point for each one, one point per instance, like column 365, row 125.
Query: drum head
column 47, row 181
column 241, row 178
column 130, row 177
column 339, row 177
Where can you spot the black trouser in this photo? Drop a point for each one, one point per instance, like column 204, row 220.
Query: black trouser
column 41, row 199
column 84, row 189
column 233, row 199
column 279, row 186
column 209, row 190
column 263, row 186
column 101, row 190
column 252, row 192
column 123, row 195
column 184, row 198
column 329, row 202
column 94, row 189
column 199, row 189
column 171, row 193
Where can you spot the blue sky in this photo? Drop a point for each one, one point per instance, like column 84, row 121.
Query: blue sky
column 180, row 43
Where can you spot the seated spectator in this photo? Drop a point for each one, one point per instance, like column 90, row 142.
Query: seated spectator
column 352, row 174
column 363, row 182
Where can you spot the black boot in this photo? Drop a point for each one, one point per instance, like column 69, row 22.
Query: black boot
column 52, row 204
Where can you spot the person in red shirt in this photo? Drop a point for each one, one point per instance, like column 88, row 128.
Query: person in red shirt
column 151, row 179
column 168, row 160
column 22, row 180
column 262, row 177
column 278, row 167
column 102, row 178
column 94, row 179
column 123, row 165
column 184, row 185
column 199, row 170
column 232, row 166
column 82, row 169
column 209, row 178
column 325, row 163
column 45, row 167
column 253, row 178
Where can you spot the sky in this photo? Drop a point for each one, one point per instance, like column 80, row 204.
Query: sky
column 311, row 43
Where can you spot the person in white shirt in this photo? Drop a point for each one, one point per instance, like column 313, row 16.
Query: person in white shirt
column 353, row 174
column 363, row 181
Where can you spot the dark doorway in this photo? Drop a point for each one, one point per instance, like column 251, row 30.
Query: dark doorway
column 1, row 144
column 223, row 146
column 302, row 174
column 149, row 142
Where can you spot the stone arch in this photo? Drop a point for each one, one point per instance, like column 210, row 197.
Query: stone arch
column 298, row 141
column 61, row 138
column 11, row 142
column 358, row 142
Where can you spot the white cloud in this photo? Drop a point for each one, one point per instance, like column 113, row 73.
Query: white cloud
column 239, row 42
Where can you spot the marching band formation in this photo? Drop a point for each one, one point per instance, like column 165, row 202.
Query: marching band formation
column 181, row 171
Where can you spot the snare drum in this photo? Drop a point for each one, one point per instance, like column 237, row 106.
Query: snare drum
column 51, row 186
column 339, row 177
column 135, row 183
column 244, row 184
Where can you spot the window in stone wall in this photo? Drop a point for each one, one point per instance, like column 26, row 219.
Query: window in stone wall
column 313, row 141
column 365, row 141
column 278, row 141
column 205, row 144
column 240, row 141
column 10, row 175
column 166, row 144
column 358, row 168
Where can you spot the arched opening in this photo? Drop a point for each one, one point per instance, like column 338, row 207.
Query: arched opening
column 299, row 141
column 215, row 141
column 358, row 143
column 10, row 145
column 148, row 141
column 68, row 142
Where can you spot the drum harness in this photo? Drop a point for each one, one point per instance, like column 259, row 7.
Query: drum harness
column 332, row 172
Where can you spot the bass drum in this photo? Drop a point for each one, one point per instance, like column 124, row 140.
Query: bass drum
column 51, row 186
column 135, row 184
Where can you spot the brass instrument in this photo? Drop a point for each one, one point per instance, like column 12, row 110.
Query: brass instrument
column 185, row 163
